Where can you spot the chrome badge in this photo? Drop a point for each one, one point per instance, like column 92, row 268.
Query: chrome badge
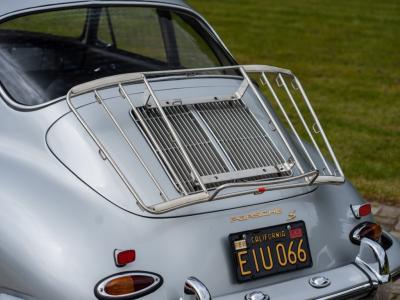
column 319, row 282
column 256, row 296
column 257, row 214
column 291, row 215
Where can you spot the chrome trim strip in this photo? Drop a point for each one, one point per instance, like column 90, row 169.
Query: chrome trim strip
column 344, row 294
column 355, row 290
column 101, row 293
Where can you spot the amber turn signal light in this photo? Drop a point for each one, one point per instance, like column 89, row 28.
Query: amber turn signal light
column 369, row 230
column 129, row 285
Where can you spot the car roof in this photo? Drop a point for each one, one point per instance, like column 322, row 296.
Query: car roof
column 13, row 6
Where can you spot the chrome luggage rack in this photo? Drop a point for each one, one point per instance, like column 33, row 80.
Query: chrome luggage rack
column 235, row 162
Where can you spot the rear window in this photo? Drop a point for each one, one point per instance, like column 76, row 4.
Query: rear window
column 45, row 54
column 136, row 31
column 41, row 22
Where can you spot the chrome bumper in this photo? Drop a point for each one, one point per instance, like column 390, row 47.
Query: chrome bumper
column 372, row 268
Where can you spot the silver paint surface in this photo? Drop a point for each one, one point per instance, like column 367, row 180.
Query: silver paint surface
column 63, row 213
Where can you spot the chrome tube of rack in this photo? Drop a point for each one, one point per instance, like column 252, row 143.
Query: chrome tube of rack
column 278, row 184
column 277, row 100
column 311, row 109
column 270, row 185
column 125, row 95
column 261, row 100
column 205, row 176
column 175, row 135
column 128, row 141
column 303, row 121
column 106, row 153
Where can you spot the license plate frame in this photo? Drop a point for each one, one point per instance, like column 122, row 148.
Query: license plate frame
column 255, row 252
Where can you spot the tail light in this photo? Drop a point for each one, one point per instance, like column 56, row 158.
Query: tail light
column 369, row 230
column 128, row 285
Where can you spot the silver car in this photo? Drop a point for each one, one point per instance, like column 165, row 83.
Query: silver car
column 139, row 160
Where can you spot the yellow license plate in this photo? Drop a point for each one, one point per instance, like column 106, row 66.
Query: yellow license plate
column 271, row 250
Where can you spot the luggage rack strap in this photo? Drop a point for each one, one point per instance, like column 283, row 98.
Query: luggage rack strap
column 203, row 195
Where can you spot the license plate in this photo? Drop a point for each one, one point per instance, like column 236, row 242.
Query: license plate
column 263, row 252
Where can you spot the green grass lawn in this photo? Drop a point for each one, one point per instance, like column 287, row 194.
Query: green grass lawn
column 347, row 54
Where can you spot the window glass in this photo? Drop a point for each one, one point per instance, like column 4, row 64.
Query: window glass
column 65, row 23
column 194, row 52
column 137, row 31
column 105, row 32
column 44, row 55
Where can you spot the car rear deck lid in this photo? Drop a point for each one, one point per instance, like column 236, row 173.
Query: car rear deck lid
column 238, row 157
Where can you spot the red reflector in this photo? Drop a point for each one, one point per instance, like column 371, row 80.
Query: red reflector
column 364, row 210
column 261, row 190
column 361, row 210
column 296, row 233
column 125, row 257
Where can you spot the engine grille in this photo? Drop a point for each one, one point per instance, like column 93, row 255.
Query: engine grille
column 239, row 134
column 198, row 146
column 246, row 152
